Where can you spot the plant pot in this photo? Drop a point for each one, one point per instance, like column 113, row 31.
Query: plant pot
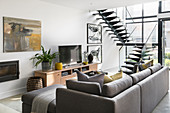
column 46, row 66
column 58, row 66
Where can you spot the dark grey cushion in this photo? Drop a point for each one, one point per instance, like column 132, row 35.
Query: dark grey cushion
column 140, row 75
column 87, row 87
column 155, row 68
column 96, row 78
column 111, row 89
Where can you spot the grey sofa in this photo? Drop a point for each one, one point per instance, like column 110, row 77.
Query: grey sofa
column 137, row 93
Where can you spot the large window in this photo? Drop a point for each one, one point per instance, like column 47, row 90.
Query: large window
column 143, row 20
column 165, row 5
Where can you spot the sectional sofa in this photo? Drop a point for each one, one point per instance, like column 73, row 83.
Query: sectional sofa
column 136, row 93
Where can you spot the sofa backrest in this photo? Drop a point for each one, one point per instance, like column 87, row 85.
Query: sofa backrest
column 153, row 89
column 111, row 89
column 155, row 68
column 71, row 101
column 136, row 77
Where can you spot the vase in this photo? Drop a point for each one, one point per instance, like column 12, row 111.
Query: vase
column 58, row 66
column 46, row 66
column 90, row 58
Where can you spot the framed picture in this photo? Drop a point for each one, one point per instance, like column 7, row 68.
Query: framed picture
column 21, row 35
column 96, row 51
column 94, row 34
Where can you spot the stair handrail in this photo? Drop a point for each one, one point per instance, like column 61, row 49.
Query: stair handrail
column 132, row 21
column 150, row 35
column 129, row 13
column 148, row 38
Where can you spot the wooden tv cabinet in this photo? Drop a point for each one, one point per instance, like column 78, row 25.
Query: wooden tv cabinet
column 60, row 76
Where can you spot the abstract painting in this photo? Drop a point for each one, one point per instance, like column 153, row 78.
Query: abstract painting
column 21, row 35
column 94, row 34
column 96, row 51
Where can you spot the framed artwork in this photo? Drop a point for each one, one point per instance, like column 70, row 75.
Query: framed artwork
column 96, row 51
column 21, row 35
column 94, row 34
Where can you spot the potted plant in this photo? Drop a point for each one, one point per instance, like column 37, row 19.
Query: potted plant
column 45, row 58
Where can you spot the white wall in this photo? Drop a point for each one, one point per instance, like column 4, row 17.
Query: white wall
column 60, row 25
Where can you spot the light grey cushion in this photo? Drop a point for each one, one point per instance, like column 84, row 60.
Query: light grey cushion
column 140, row 75
column 96, row 78
column 155, row 68
column 87, row 87
column 111, row 89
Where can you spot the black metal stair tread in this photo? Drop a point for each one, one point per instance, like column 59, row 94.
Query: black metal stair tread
column 127, row 65
column 111, row 18
column 140, row 47
column 120, row 30
column 124, row 37
column 114, row 22
column 130, row 67
column 107, row 13
column 98, row 18
column 117, row 26
column 128, row 72
column 121, row 34
column 109, row 30
column 130, row 62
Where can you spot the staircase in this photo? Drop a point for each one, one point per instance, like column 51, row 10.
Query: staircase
column 115, row 26
column 117, row 30
column 139, row 54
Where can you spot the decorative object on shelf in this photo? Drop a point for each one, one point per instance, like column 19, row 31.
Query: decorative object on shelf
column 21, row 35
column 96, row 52
column 34, row 83
column 45, row 58
column 94, row 34
column 85, row 61
column 59, row 66
column 90, row 58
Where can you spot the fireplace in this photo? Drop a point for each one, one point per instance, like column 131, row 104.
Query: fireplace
column 9, row 71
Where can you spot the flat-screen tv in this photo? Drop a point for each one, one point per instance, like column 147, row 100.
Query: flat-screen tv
column 70, row 54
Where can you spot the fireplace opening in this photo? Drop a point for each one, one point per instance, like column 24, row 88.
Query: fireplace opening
column 9, row 70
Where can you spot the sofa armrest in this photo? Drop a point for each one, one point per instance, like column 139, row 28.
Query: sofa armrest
column 128, row 101
column 78, row 102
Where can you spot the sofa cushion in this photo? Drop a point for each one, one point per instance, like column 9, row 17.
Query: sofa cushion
column 155, row 68
column 111, row 89
column 140, row 75
column 87, row 87
column 96, row 78
column 110, row 78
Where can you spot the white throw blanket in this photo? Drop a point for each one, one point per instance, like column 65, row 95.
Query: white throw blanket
column 41, row 102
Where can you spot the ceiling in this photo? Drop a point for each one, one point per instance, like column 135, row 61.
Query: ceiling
column 96, row 4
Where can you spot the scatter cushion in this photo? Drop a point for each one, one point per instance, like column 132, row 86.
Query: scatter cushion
column 111, row 78
column 117, row 76
column 107, row 79
column 146, row 65
column 87, row 87
column 140, row 75
column 155, row 68
column 113, row 88
column 99, row 78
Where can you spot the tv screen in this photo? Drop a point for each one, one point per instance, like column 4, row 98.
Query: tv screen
column 70, row 54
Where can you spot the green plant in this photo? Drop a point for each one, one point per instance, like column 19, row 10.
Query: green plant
column 46, row 56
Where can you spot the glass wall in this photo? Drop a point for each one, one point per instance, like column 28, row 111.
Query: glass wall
column 144, row 18
column 165, row 5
